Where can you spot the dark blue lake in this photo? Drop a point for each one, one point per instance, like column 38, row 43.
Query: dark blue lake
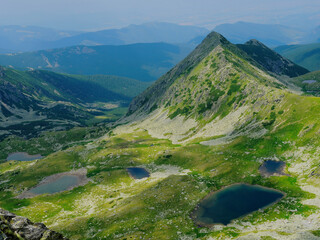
column 61, row 184
column 23, row 156
column 271, row 167
column 232, row 202
column 138, row 173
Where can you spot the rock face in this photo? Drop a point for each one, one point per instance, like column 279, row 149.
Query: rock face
column 14, row 227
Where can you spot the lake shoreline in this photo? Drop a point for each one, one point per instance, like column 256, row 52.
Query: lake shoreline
column 23, row 157
column 201, row 224
column 81, row 174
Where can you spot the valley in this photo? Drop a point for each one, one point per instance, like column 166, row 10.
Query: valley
column 32, row 102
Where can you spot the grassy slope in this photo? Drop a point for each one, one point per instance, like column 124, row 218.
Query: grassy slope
column 120, row 85
column 71, row 87
column 117, row 206
column 307, row 55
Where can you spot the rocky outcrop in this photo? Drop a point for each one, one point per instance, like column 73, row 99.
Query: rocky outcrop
column 14, row 227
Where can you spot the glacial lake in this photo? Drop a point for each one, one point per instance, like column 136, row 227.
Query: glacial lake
column 58, row 185
column 23, row 156
column 138, row 172
column 271, row 167
column 233, row 202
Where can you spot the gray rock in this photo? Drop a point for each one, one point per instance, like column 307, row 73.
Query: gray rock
column 14, row 227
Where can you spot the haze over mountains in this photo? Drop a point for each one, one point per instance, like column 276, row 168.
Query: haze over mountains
column 143, row 61
column 271, row 35
column 147, row 60
column 20, row 38
column 28, row 38
column 144, row 33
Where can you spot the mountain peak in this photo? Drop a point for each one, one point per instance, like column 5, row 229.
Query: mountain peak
column 155, row 92
column 208, row 80
column 270, row 60
column 255, row 42
column 215, row 38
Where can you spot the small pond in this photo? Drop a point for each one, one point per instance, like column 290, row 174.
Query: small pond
column 232, row 202
column 60, row 184
column 272, row 167
column 138, row 172
column 309, row 81
column 23, row 156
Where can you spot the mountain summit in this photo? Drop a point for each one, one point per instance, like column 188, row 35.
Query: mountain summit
column 216, row 83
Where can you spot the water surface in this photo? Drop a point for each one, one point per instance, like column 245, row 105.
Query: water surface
column 232, row 202
column 23, row 156
column 62, row 183
column 309, row 81
column 138, row 172
column 272, row 167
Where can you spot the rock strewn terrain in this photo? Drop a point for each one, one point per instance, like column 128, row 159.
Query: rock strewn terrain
column 14, row 227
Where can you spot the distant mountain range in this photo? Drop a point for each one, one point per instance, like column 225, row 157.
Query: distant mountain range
column 29, row 38
column 22, row 39
column 144, row 61
column 306, row 55
column 26, row 38
column 271, row 35
column 144, row 33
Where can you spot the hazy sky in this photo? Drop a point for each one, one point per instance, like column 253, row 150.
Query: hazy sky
column 98, row 14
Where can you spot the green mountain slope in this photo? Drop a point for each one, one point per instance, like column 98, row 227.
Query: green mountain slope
column 48, row 100
column 145, row 62
column 307, row 55
column 208, row 123
column 215, row 74
column 127, row 87
column 270, row 60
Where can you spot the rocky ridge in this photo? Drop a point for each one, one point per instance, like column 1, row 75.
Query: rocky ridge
column 271, row 61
